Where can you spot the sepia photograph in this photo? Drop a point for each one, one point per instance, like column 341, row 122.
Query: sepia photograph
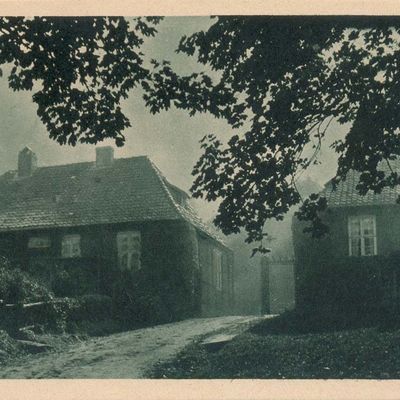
column 200, row 197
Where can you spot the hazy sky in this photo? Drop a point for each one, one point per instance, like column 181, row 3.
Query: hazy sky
column 170, row 139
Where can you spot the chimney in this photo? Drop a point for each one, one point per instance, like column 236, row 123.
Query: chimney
column 104, row 156
column 27, row 162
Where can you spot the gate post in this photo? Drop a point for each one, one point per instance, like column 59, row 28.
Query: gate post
column 265, row 292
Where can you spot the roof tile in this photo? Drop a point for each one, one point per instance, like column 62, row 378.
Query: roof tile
column 130, row 190
column 346, row 194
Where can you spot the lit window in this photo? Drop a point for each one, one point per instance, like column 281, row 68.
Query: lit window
column 38, row 242
column 362, row 235
column 217, row 266
column 71, row 246
column 129, row 247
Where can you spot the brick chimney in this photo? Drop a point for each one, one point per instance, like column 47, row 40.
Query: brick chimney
column 104, row 156
column 27, row 162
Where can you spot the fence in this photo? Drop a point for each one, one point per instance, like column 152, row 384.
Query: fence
column 16, row 316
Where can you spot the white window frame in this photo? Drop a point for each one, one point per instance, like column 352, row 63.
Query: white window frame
column 130, row 252
column 361, row 219
column 71, row 246
column 39, row 242
column 217, row 265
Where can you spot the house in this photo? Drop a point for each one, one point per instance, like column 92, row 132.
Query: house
column 357, row 264
column 82, row 226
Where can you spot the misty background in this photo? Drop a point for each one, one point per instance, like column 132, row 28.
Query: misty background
column 170, row 139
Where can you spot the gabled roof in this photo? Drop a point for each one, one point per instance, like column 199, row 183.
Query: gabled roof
column 346, row 194
column 130, row 190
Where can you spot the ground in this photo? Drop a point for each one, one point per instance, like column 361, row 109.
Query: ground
column 286, row 347
column 124, row 355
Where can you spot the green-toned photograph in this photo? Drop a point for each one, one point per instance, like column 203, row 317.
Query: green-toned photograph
column 200, row 197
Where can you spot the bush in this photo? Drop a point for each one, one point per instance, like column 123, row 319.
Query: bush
column 92, row 307
column 95, row 328
column 17, row 286
column 59, row 313
column 137, row 300
column 9, row 347
column 324, row 319
column 63, row 284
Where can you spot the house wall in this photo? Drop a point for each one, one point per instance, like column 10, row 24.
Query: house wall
column 215, row 301
column 176, row 260
column 324, row 271
column 169, row 257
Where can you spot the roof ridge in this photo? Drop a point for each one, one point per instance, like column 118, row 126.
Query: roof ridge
column 76, row 163
column 181, row 210
column 162, row 180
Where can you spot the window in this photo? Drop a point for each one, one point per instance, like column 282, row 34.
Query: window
column 38, row 242
column 71, row 246
column 129, row 247
column 217, row 266
column 362, row 236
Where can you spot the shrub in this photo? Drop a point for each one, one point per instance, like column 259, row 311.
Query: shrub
column 8, row 346
column 95, row 328
column 63, row 284
column 92, row 307
column 310, row 320
column 17, row 286
column 137, row 300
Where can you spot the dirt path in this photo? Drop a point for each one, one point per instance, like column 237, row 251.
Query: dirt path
column 122, row 355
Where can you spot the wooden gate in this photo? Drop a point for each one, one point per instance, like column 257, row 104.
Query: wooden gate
column 278, row 284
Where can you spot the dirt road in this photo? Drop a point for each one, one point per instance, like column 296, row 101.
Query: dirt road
column 123, row 355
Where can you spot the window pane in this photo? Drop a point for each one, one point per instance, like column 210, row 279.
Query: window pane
column 369, row 246
column 135, row 244
column 123, row 261
column 71, row 246
column 38, row 242
column 368, row 226
column 217, row 265
column 362, row 235
column 135, row 261
column 65, row 249
column 355, row 229
column 128, row 244
column 356, row 246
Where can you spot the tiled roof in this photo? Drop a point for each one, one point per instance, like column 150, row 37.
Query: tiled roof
column 346, row 194
column 130, row 190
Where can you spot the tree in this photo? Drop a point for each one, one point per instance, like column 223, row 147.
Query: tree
column 287, row 79
column 79, row 70
column 281, row 82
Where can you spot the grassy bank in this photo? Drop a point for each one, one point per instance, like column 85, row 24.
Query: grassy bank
column 276, row 349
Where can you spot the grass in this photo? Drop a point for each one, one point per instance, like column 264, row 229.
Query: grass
column 283, row 347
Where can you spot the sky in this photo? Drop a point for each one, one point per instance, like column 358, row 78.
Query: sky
column 170, row 139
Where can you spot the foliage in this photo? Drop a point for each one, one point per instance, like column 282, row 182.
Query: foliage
column 71, row 314
column 17, row 286
column 285, row 80
column 92, row 307
column 55, row 315
column 79, row 70
column 95, row 328
column 62, row 283
column 343, row 285
column 9, row 347
column 280, row 81
column 322, row 319
column 144, row 297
